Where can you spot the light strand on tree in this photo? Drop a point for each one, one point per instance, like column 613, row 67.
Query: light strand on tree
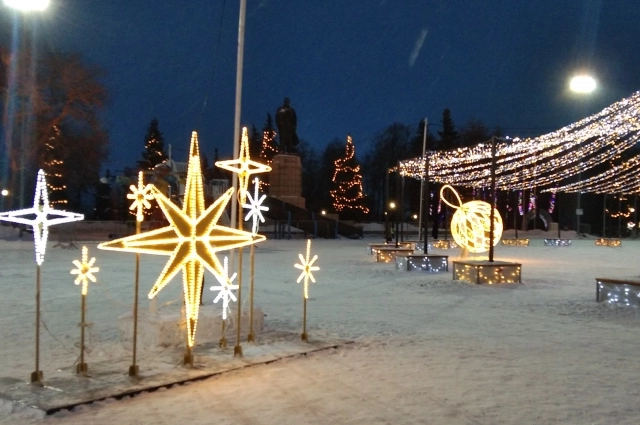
column 348, row 195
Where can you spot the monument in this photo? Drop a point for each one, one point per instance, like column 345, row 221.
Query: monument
column 285, row 179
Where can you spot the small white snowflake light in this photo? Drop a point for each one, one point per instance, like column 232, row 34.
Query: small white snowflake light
column 85, row 270
column 307, row 268
column 225, row 288
column 141, row 195
column 42, row 220
column 255, row 207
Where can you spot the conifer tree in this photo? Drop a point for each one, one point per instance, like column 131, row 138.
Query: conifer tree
column 448, row 135
column 53, row 166
column 348, row 197
column 153, row 147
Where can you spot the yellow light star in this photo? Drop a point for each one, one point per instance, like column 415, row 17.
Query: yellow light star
column 191, row 239
column 307, row 268
column 85, row 270
column 244, row 166
column 141, row 195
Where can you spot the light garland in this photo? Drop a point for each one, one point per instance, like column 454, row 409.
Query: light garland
column 41, row 223
column 471, row 223
column 255, row 207
column 540, row 161
column 244, row 166
column 348, row 195
column 85, row 270
column 141, row 195
column 621, row 178
column 225, row 288
column 307, row 268
column 191, row 240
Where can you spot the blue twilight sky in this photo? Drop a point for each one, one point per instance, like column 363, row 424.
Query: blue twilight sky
column 347, row 66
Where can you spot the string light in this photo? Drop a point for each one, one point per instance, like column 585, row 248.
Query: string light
column 471, row 223
column 621, row 178
column 487, row 272
column 307, row 268
column 191, row 240
column 244, row 166
column 41, row 223
column 540, row 161
column 225, row 288
column 255, row 207
column 348, row 195
column 85, row 270
column 141, row 195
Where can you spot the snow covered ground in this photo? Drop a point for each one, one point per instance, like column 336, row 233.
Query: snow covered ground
column 428, row 349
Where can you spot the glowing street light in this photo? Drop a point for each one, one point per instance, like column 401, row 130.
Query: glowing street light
column 28, row 5
column 583, row 84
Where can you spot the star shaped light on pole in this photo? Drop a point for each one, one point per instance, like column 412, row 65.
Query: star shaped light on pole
column 85, row 270
column 244, row 166
column 141, row 195
column 307, row 268
column 225, row 288
column 255, row 207
column 191, row 240
column 45, row 216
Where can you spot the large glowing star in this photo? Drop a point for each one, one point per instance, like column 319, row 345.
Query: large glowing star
column 141, row 195
column 191, row 239
column 225, row 288
column 85, row 270
column 255, row 207
column 45, row 216
column 244, row 166
column 471, row 223
column 307, row 268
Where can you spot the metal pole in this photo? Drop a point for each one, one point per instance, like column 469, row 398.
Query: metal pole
column 620, row 215
column 493, row 196
column 558, row 212
column 36, row 376
column 635, row 212
column 236, row 121
column 304, row 335
column 81, row 368
column 251, row 337
column 387, row 229
column 133, row 369
column 427, row 202
column 604, row 216
column 401, row 209
column 424, row 161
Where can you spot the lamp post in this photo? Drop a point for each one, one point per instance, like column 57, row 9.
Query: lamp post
column 582, row 85
column 25, row 6
column 394, row 224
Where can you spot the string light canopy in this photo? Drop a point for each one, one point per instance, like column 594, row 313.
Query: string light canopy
column 540, row 161
column 192, row 240
column 244, row 166
column 45, row 217
column 255, row 207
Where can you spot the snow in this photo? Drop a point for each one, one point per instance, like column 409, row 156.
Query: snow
column 427, row 349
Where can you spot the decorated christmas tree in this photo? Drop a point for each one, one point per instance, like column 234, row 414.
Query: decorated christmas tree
column 53, row 165
column 269, row 146
column 348, row 198
column 153, row 147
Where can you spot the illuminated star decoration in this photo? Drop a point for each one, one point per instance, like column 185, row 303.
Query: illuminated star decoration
column 225, row 288
column 42, row 212
column 307, row 268
column 85, row 270
column 191, row 239
column 141, row 195
column 255, row 207
column 244, row 166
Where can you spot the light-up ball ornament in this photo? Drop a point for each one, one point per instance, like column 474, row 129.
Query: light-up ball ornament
column 471, row 223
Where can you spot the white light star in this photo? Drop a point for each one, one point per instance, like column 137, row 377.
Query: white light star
column 225, row 288
column 255, row 207
column 307, row 268
column 41, row 222
column 141, row 195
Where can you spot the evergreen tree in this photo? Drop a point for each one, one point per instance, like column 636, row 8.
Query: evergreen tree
column 269, row 146
column 255, row 142
column 448, row 135
column 53, row 166
column 348, row 197
column 153, row 147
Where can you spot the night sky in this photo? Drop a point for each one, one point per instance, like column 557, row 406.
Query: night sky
column 347, row 66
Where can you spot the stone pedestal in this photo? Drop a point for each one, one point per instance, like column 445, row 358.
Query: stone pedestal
column 285, row 179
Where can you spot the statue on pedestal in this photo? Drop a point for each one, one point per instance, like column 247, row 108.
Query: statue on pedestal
column 286, row 121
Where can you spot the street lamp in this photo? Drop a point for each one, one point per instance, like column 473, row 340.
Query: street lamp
column 25, row 6
column 582, row 84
